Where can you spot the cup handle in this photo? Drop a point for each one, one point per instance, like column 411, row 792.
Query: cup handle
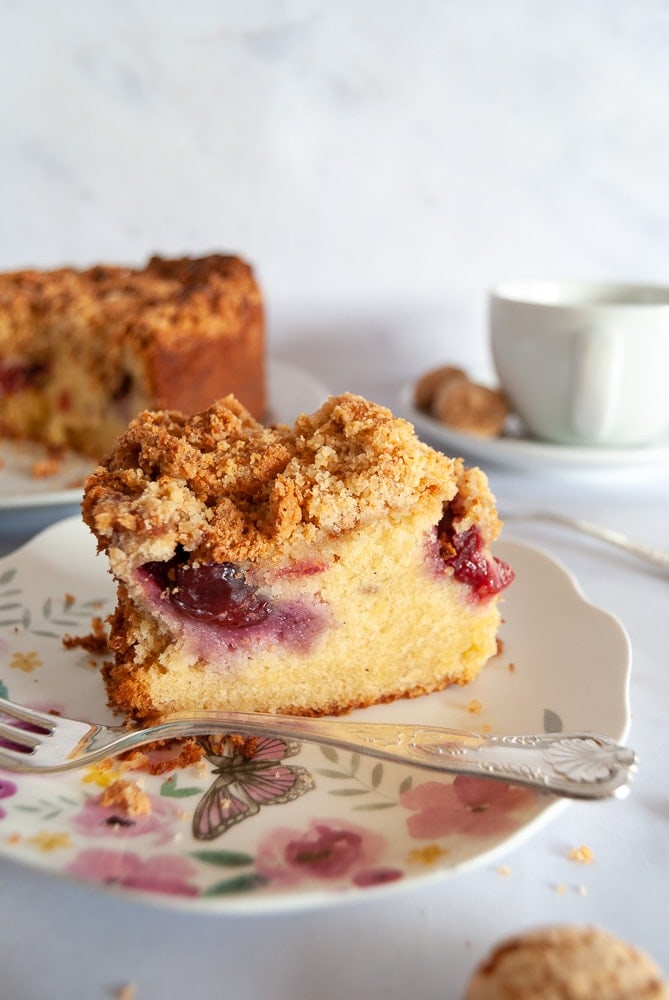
column 597, row 383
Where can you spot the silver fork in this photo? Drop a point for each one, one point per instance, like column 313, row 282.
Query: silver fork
column 574, row 765
column 647, row 553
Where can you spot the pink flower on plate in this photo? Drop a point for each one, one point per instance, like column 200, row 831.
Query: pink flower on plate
column 370, row 877
column 7, row 789
column 328, row 850
column 467, row 805
column 96, row 820
column 167, row 873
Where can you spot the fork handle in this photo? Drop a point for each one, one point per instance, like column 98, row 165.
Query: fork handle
column 648, row 553
column 575, row 765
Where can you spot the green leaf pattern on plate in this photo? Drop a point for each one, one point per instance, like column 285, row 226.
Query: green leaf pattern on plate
column 61, row 612
column 364, row 779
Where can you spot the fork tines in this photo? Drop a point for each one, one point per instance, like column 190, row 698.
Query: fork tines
column 30, row 726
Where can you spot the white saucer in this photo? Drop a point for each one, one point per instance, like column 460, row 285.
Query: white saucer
column 527, row 453
column 291, row 391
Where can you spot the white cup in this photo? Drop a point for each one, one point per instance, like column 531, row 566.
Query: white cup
column 584, row 363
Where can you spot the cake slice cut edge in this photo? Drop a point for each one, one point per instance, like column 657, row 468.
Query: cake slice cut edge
column 307, row 570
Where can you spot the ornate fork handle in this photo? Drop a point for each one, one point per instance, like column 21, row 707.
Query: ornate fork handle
column 577, row 765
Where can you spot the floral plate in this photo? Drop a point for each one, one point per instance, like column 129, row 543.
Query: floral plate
column 281, row 825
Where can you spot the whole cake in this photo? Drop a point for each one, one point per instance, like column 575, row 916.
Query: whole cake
column 302, row 570
column 84, row 351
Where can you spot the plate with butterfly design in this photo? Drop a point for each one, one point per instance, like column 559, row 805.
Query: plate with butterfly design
column 261, row 825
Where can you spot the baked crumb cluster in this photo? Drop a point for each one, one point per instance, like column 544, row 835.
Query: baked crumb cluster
column 569, row 962
column 450, row 396
column 227, row 488
column 175, row 296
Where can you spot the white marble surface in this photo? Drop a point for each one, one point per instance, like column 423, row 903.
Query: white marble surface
column 381, row 164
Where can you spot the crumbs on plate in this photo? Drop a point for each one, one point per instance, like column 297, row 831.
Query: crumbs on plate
column 583, row 855
column 127, row 798
column 96, row 641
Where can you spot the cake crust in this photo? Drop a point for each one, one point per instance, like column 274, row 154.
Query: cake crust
column 232, row 489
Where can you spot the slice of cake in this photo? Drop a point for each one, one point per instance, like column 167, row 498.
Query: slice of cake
column 301, row 570
column 84, row 351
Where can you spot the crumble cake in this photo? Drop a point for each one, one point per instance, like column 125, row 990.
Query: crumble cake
column 303, row 570
column 84, row 351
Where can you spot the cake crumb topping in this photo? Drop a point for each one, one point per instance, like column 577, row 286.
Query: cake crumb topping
column 227, row 488
column 127, row 798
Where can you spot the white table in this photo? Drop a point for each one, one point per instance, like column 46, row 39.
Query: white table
column 60, row 940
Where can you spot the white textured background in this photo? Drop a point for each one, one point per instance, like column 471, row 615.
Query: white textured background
column 380, row 162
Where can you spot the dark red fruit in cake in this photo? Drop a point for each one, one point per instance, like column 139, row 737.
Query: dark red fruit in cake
column 18, row 375
column 467, row 556
column 214, row 592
